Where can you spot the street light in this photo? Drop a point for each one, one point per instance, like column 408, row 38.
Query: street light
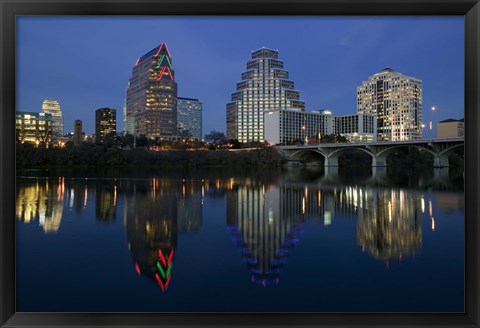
column 433, row 109
column 304, row 134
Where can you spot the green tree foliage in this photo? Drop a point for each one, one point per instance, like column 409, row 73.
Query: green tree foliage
column 333, row 138
column 99, row 155
column 216, row 138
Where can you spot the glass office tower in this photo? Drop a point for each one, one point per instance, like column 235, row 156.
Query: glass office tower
column 265, row 86
column 105, row 123
column 151, row 97
column 52, row 107
column 189, row 115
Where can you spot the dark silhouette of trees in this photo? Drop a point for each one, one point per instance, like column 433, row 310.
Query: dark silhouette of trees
column 216, row 138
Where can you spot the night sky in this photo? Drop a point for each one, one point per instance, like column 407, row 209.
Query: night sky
column 85, row 62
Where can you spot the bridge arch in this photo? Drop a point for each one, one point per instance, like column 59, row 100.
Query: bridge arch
column 382, row 155
column 297, row 155
column 450, row 150
column 441, row 158
column 440, row 149
column 387, row 151
column 332, row 158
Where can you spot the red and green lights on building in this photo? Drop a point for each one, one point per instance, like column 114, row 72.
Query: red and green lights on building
column 163, row 268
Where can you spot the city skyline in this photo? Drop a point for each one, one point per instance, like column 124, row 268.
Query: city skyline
column 85, row 62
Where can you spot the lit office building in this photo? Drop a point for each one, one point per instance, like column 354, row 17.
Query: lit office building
column 34, row 127
column 52, row 107
column 151, row 97
column 451, row 128
column 105, row 123
column 264, row 87
column 77, row 132
column 286, row 126
column 396, row 100
column 357, row 127
column 189, row 117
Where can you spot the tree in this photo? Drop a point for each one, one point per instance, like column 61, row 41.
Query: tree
column 235, row 143
column 333, row 138
column 185, row 135
column 142, row 141
column 216, row 138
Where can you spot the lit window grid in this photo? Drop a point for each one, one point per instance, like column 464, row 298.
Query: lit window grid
column 151, row 104
column 105, row 123
column 34, row 127
column 286, row 126
column 398, row 105
column 189, row 117
column 263, row 89
column 52, row 107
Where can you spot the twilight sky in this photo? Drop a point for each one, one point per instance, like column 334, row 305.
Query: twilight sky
column 85, row 62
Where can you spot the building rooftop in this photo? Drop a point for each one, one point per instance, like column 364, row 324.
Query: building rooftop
column 451, row 120
column 184, row 98
column 386, row 70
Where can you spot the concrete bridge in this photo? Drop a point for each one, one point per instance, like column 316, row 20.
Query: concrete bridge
column 379, row 150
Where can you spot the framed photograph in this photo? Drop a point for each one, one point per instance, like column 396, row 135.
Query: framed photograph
column 259, row 163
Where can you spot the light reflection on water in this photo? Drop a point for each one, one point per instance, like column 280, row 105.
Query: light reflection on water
column 265, row 216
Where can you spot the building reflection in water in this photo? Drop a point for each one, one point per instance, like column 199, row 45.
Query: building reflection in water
column 389, row 227
column 261, row 229
column 265, row 221
column 106, row 200
column 41, row 201
column 155, row 212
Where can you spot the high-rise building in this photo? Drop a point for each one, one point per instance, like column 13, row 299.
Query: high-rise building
column 451, row 128
column 189, row 116
column 52, row 107
column 151, row 97
column 396, row 100
column 105, row 123
column 34, row 127
column 77, row 132
column 265, row 86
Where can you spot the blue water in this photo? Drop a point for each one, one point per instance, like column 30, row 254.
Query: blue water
column 220, row 241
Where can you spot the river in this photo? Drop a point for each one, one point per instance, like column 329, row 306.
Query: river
column 217, row 240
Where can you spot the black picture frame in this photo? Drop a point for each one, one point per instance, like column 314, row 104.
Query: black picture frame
column 470, row 9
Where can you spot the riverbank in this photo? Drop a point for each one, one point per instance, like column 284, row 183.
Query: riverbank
column 99, row 156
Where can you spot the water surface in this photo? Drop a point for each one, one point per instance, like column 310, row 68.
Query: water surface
column 301, row 240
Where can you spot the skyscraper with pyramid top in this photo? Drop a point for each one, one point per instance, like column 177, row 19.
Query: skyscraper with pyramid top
column 151, row 96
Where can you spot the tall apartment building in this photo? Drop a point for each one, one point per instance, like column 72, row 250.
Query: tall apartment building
column 105, row 123
column 52, row 107
column 32, row 127
column 77, row 132
column 189, row 116
column 265, row 86
column 451, row 128
column 151, row 96
column 396, row 100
